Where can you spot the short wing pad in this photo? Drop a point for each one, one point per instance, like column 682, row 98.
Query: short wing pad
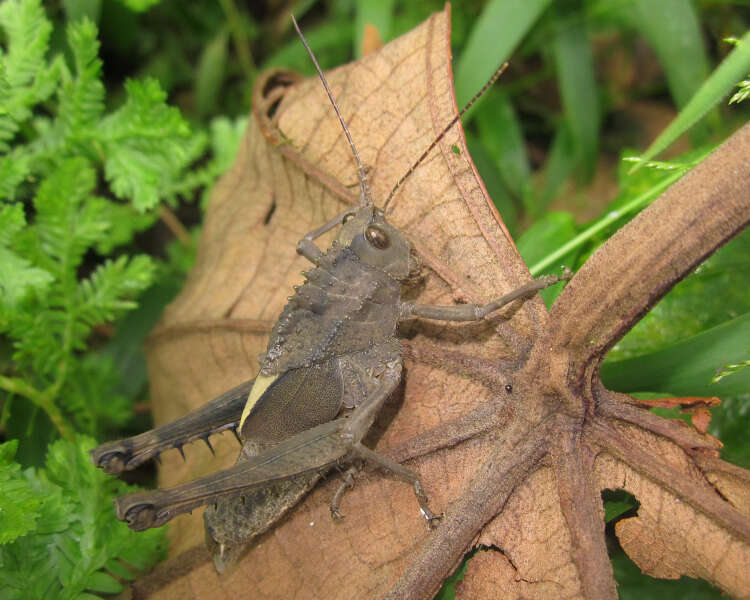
column 292, row 402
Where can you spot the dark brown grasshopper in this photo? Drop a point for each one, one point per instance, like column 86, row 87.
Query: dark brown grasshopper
column 332, row 361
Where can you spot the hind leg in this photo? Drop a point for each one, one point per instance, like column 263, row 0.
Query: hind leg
column 218, row 415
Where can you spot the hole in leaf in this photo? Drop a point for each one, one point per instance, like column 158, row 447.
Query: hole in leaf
column 278, row 80
column 619, row 504
column 272, row 108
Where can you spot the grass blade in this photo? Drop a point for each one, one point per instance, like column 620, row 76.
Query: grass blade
column 671, row 28
column 500, row 133
column 717, row 86
column 377, row 14
column 498, row 30
column 687, row 368
column 577, row 83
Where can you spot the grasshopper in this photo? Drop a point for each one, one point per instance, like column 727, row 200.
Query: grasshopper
column 332, row 360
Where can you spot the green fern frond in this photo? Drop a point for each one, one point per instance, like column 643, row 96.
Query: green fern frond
column 82, row 95
column 28, row 31
column 19, row 505
column 25, row 78
column 110, row 290
column 145, row 145
column 74, row 545
column 17, row 275
column 68, row 220
column 14, row 168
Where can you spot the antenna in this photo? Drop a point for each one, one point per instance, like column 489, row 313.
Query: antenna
column 366, row 195
column 448, row 127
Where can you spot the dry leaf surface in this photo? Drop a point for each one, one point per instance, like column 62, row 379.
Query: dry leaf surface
column 519, row 472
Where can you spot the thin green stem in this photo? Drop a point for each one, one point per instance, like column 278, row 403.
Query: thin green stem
column 43, row 400
column 632, row 206
column 239, row 38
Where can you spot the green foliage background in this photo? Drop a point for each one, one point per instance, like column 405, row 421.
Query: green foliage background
column 116, row 117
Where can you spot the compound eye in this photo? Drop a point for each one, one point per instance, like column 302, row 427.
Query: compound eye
column 347, row 217
column 377, row 237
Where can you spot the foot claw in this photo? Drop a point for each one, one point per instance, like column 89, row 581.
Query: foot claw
column 113, row 462
column 140, row 517
column 433, row 520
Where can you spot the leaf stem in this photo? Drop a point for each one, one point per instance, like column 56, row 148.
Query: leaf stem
column 43, row 400
column 174, row 225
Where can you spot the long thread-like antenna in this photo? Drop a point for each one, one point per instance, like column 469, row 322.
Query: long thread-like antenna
column 448, row 127
column 363, row 186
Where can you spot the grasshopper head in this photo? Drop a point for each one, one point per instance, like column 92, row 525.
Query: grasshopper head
column 377, row 243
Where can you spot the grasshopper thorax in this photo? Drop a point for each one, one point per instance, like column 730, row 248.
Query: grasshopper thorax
column 377, row 243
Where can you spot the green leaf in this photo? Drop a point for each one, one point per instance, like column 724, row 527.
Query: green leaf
column 730, row 422
column 17, row 279
column 77, row 534
column 714, row 294
column 560, row 163
column 103, row 582
column 125, row 348
column 226, row 135
column 577, row 83
column 742, row 94
column 139, row 5
column 687, row 367
column 377, row 14
column 17, row 275
column 15, row 166
column 496, row 33
column 144, row 144
column 118, row 569
column 8, row 452
column 210, row 74
column 109, row 291
column 545, row 236
column 27, row 30
column 332, row 44
column 620, row 211
column 672, row 29
column 616, row 503
column 542, row 239
column 82, row 97
column 720, row 83
column 77, row 10
column 124, row 222
column 92, row 396
column 632, row 584
column 19, row 505
column 12, row 220
column 67, row 223
column 500, row 133
column 493, row 181
column 25, row 78
column 731, row 369
column 225, row 138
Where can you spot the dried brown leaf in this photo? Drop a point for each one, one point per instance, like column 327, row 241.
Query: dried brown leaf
column 520, row 472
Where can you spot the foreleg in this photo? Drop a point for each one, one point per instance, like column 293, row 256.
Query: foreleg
column 307, row 248
column 477, row 312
